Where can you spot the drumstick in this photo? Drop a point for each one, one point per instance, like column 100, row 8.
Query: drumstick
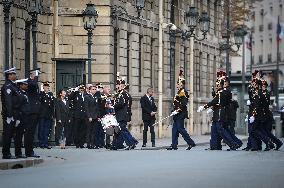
column 162, row 120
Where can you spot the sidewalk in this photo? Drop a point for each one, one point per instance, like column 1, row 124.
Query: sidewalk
column 160, row 144
column 166, row 142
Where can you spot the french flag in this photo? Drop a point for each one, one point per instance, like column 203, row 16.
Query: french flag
column 279, row 32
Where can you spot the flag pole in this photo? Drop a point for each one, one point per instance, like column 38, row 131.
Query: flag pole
column 277, row 69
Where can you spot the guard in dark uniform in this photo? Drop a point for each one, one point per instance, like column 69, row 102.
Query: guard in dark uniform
column 80, row 117
column 9, row 99
column 219, row 105
column 179, row 114
column 253, row 143
column 46, row 115
column 121, row 109
column 92, row 112
column 33, row 95
column 267, row 123
column 257, row 116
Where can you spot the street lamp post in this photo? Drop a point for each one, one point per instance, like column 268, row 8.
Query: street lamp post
column 90, row 16
column 6, row 9
column 193, row 20
column 34, row 8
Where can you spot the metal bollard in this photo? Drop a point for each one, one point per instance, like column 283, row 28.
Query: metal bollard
column 278, row 127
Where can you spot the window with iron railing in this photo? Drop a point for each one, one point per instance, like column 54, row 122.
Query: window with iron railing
column 260, row 59
column 269, row 58
column 270, row 25
column 260, row 27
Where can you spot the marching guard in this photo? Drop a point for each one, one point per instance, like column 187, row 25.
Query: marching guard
column 122, row 116
column 219, row 108
column 179, row 114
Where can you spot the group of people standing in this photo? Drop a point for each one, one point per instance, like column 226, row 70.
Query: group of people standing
column 24, row 107
column 79, row 112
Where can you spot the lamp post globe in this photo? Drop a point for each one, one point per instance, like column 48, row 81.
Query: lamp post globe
column 192, row 18
column 204, row 22
column 90, row 15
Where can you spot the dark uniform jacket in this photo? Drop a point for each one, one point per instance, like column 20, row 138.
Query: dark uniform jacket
column 265, row 113
column 180, row 104
column 148, row 107
column 47, row 104
column 219, row 105
column 92, row 105
column 232, row 110
column 62, row 111
column 25, row 107
column 33, row 94
column 121, row 106
column 79, row 104
column 10, row 99
column 129, row 105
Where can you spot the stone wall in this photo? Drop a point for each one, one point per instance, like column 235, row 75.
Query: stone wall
column 72, row 44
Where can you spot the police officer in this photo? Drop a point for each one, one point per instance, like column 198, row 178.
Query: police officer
column 179, row 114
column 33, row 95
column 46, row 115
column 9, row 96
column 80, row 117
column 24, row 113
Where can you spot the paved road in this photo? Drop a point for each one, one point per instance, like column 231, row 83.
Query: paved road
column 82, row 168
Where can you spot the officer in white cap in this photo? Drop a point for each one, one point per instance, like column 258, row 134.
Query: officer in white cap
column 9, row 94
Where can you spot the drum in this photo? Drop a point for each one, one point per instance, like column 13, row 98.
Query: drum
column 110, row 124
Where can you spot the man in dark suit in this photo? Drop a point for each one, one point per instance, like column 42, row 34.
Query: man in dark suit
column 62, row 116
column 149, row 109
column 92, row 112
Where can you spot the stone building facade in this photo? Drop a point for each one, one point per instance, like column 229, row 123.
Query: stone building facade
column 264, row 38
column 119, row 45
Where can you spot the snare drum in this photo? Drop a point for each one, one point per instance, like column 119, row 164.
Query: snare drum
column 110, row 124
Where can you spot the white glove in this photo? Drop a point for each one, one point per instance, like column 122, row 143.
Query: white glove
column 209, row 112
column 251, row 119
column 174, row 113
column 246, row 119
column 248, row 103
column 9, row 119
column 17, row 123
column 200, row 109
